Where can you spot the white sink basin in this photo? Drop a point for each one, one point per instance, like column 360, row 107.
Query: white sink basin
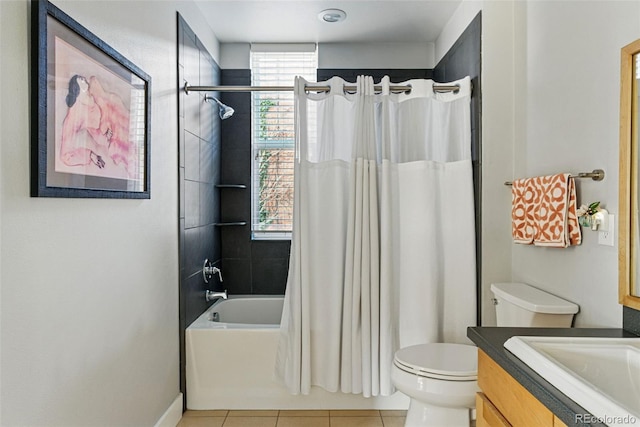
column 600, row 374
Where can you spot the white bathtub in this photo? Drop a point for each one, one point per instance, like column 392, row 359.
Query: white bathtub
column 230, row 363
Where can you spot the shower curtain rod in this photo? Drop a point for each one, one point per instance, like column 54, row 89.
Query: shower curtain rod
column 311, row 88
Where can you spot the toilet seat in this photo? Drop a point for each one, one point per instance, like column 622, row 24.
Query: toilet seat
column 444, row 361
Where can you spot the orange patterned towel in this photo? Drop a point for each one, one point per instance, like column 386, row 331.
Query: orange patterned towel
column 544, row 211
column 556, row 218
column 524, row 199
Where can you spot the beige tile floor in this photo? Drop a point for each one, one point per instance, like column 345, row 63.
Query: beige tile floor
column 329, row 418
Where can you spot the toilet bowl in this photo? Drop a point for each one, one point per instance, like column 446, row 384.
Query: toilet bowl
column 441, row 378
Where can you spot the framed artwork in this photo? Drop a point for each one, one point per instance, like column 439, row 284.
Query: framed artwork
column 90, row 113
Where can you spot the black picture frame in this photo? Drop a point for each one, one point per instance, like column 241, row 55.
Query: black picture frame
column 90, row 113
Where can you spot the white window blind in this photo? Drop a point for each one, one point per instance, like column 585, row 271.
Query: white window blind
column 273, row 138
column 136, row 132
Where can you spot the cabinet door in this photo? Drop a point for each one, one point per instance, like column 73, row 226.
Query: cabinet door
column 511, row 399
column 488, row 415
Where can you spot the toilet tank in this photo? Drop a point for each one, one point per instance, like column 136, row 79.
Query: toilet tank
column 522, row 305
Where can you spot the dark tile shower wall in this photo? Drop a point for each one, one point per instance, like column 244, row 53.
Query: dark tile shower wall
column 464, row 59
column 199, row 171
column 250, row 266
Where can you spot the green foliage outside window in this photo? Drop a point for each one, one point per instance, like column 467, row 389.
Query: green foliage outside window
column 263, row 173
column 265, row 106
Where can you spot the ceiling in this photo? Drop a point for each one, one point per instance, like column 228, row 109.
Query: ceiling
column 282, row 21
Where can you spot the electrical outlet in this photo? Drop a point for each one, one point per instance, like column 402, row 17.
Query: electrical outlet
column 607, row 238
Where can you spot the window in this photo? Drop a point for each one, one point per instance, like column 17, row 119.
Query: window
column 273, row 135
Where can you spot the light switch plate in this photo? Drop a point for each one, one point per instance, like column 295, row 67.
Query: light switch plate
column 607, row 238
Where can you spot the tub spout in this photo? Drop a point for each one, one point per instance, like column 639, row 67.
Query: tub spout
column 211, row 296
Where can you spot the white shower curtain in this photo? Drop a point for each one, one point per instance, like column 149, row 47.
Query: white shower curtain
column 383, row 248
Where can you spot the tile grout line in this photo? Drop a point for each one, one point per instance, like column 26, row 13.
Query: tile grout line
column 279, row 414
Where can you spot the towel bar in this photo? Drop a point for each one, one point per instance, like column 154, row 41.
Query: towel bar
column 596, row 175
column 231, row 186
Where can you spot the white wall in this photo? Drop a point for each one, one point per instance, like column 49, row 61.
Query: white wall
column 550, row 89
column 235, row 56
column 347, row 55
column 376, row 55
column 498, row 109
column 89, row 288
column 569, row 92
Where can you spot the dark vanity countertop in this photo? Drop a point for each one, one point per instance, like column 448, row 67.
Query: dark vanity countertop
column 491, row 341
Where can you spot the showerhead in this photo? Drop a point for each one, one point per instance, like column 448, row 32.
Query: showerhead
column 223, row 110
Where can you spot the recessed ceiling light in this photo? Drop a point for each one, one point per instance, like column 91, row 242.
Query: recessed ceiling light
column 332, row 15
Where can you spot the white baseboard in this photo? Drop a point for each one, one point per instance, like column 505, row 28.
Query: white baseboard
column 172, row 415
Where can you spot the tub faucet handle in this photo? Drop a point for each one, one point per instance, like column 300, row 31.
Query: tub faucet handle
column 208, row 270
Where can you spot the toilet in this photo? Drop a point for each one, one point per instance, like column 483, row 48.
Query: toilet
column 441, row 378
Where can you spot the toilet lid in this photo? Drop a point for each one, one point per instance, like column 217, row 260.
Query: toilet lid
column 454, row 361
